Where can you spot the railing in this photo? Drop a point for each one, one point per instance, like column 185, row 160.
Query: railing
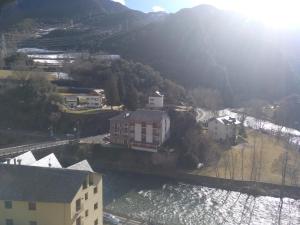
column 32, row 147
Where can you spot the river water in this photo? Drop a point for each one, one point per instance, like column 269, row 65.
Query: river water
column 184, row 204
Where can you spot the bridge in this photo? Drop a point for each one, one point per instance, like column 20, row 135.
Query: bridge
column 32, row 147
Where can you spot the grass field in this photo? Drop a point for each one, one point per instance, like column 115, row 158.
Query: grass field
column 261, row 158
column 4, row 74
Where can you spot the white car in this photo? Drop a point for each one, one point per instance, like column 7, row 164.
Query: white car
column 111, row 219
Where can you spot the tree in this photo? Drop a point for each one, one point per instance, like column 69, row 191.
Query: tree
column 28, row 101
column 5, row 2
column 132, row 98
column 112, row 91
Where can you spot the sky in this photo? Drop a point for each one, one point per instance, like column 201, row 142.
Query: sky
column 275, row 13
column 159, row 5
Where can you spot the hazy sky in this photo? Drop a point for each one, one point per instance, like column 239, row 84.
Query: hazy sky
column 276, row 13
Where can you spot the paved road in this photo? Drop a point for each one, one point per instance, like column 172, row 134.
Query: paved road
column 32, row 147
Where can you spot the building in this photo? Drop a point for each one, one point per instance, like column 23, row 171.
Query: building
column 49, row 196
column 156, row 100
column 92, row 99
column 143, row 130
column 223, row 128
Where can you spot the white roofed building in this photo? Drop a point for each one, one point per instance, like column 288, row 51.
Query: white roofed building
column 223, row 128
column 156, row 100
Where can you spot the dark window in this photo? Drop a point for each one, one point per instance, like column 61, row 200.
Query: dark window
column 86, row 213
column 32, row 223
column 96, row 206
column 9, row 222
column 78, row 205
column 78, row 221
column 8, row 204
column 95, row 190
column 32, row 206
column 91, row 180
column 85, row 184
column 86, row 196
column 96, row 222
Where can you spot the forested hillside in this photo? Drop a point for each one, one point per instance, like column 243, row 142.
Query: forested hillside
column 56, row 10
column 206, row 47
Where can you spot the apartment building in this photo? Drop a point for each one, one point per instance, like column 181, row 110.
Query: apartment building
column 49, row 196
column 223, row 128
column 144, row 130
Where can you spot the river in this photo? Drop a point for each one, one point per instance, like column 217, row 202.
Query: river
column 172, row 203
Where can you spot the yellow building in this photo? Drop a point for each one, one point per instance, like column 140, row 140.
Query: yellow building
column 49, row 196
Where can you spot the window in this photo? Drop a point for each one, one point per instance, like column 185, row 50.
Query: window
column 9, row 222
column 85, row 184
column 96, row 222
column 95, row 190
column 86, row 213
column 32, row 206
column 78, row 205
column 78, row 221
column 8, row 204
column 96, row 206
column 91, row 180
column 32, row 223
column 86, row 196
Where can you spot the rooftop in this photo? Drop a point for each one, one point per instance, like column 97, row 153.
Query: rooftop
column 48, row 161
column 38, row 184
column 157, row 94
column 83, row 165
column 227, row 120
column 24, row 159
column 141, row 115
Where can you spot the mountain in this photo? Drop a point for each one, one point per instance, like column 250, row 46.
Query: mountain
column 69, row 24
column 206, row 47
column 51, row 11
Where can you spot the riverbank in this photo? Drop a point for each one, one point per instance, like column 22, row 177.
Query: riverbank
column 247, row 187
column 105, row 159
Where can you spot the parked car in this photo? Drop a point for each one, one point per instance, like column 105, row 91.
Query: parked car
column 111, row 219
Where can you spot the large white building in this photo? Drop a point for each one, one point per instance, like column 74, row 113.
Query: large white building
column 223, row 128
column 144, row 130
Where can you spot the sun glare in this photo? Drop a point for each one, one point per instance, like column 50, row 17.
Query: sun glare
column 273, row 13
